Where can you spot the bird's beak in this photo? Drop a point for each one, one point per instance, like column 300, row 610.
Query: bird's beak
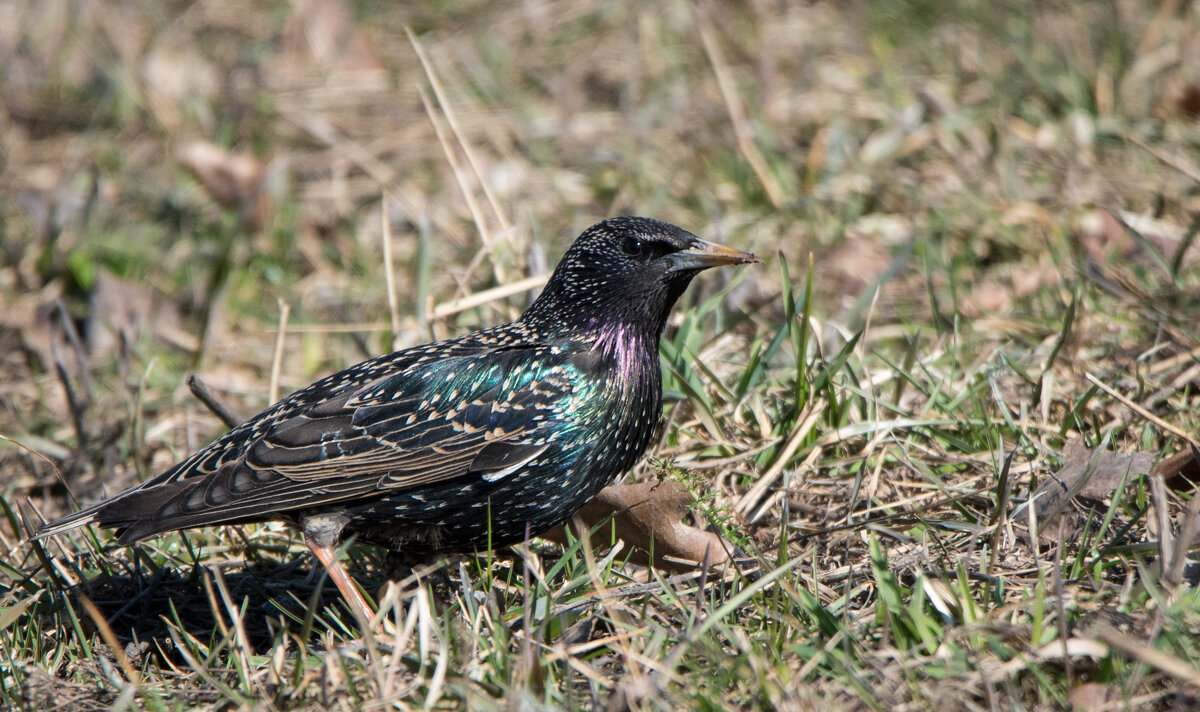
column 702, row 255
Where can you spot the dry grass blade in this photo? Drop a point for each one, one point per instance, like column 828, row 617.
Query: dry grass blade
column 110, row 639
column 241, row 644
column 285, row 311
column 488, row 296
column 439, row 311
column 452, row 119
column 1141, row 411
column 1165, row 662
column 808, row 420
column 460, row 177
column 389, row 270
column 737, row 114
column 349, row 149
column 1178, row 162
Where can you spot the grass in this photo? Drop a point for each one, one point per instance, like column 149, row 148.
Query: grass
column 965, row 211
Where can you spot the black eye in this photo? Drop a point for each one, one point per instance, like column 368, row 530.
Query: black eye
column 642, row 248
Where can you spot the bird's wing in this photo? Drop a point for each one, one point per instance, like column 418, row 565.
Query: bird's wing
column 483, row 415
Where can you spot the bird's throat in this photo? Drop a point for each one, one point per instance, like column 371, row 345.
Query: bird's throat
column 634, row 351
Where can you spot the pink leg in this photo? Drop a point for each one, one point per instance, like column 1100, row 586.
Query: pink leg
column 328, row 559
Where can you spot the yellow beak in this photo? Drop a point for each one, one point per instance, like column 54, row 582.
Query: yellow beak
column 702, row 255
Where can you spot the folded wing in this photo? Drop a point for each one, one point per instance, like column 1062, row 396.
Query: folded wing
column 478, row 415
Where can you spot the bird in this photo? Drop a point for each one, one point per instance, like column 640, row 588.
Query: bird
column 457, row 445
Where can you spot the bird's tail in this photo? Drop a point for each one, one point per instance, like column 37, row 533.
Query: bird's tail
column 133, row 508
column 69, row 522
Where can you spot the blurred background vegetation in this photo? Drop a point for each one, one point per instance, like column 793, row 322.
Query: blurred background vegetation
column 1004, row 195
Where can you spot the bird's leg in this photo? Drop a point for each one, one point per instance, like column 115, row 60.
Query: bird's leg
column 321, row 533
column 328, row 558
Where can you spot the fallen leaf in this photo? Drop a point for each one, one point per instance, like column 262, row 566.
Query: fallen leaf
column 236, row 181
column 990, row 297
column 1027, row 280
column 1094, row 697
column 649, row 516
column 1087, row 477
column 1180, row 472
column 580, row 632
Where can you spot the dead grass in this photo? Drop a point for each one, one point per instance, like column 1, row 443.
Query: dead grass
column 1000, row 202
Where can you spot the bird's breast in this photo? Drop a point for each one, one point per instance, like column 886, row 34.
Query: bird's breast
column 629, row 402
column 629, row 355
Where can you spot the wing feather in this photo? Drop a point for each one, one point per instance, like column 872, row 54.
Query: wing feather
column 486, row 413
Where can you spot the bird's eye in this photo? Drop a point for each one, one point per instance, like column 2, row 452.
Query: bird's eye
column 633, row 246
column 643, row 249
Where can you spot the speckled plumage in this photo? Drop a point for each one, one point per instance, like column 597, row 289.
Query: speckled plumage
column 424, row 449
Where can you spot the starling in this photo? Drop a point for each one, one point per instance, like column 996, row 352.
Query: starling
column 458, row 444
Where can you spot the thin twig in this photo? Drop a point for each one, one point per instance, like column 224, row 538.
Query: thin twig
column 81, row 364
column 215, row 404
column 78, row 405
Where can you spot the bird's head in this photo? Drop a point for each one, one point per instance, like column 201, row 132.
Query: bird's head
column 626, row 271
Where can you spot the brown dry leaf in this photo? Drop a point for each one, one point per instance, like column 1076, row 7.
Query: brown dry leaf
column 650, row 512
column 1102, row 480
column 1180, row 472
column 234, row 180
column 997, row 294
column 1093, row 697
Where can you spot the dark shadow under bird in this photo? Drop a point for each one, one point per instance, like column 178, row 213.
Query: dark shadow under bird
column 459, row 444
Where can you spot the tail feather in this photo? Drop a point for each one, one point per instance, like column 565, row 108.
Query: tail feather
column 142, row 512
column 131, row 513
column 67, row 523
